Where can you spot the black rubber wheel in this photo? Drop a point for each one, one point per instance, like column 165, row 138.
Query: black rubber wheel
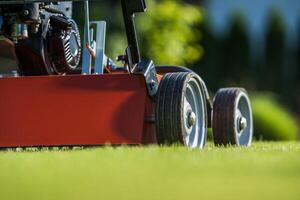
column 232, row 118
column 163, row 69
column 181, row 115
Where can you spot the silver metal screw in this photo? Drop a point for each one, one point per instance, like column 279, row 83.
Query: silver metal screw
column 242, row 123
column 191, row 119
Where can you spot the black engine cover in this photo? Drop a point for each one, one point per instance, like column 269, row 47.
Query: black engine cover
column 63, row 45
column 54, row 49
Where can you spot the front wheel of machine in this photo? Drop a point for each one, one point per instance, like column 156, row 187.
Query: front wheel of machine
column 181, row 115
column 232, row 118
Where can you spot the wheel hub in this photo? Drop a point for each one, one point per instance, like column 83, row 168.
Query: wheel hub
column 241, row 122
column 193, row 116
column 191, row 119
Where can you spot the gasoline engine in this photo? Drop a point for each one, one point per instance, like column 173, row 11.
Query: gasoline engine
column 46, row 38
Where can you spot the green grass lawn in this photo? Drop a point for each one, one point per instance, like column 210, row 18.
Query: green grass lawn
column 264, row 171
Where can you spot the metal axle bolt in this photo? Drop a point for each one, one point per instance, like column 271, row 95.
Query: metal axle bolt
column 242, row 123
column 191, row 119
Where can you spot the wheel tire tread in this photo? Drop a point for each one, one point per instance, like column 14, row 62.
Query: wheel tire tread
column 224, row 116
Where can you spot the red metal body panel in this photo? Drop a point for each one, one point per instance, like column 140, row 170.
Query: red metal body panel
column 74, row 110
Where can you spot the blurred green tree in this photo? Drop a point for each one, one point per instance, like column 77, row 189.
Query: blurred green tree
column 167, row 31
column 209, row 65
column 226, row 59
column 271, row 78
column 298, row 71
column 235, row 63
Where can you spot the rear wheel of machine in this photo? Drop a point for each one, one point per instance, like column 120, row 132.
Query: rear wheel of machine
column 181, row 115
column 232, row 118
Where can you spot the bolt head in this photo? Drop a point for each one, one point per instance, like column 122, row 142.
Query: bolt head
column 242, row 123
column 191, row 119
column 26, row 12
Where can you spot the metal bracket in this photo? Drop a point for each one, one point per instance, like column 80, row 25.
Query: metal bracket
column 147, row 68
column 94, row 49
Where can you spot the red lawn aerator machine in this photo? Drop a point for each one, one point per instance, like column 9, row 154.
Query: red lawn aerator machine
column 49, row 102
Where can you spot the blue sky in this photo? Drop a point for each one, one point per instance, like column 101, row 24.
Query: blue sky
column 256, row 12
